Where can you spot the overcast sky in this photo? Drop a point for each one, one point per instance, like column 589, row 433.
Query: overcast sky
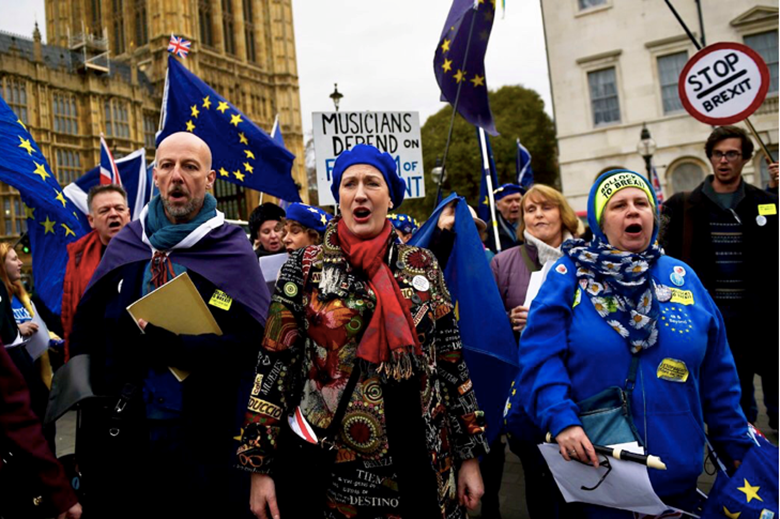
column 380, row 52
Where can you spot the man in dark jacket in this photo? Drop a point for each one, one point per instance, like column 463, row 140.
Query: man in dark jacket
column 165, row 444
column 727, row 231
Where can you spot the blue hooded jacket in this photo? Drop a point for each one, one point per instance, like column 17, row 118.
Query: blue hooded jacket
column 568, row 353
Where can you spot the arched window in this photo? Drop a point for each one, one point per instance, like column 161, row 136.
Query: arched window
column 685, row 174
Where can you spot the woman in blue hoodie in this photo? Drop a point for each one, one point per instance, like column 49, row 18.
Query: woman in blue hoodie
column 617, row 298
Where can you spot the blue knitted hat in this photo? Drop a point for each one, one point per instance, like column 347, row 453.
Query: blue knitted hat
column 308, row 216
column 383, row 161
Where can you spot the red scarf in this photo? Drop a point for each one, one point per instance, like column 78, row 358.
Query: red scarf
column 390, row 351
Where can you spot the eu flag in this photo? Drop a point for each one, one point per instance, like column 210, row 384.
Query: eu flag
column 242, row 153
column 51, row 218
column 460, row 60
column 525, row 175
column 489, row 346
column 483, row 209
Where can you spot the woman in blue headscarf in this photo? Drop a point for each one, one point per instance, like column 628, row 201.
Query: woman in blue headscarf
column 618, row 305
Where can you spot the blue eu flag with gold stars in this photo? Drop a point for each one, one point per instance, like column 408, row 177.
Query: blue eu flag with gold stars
column 460, row 60
column 52, row 222
column 242, row 153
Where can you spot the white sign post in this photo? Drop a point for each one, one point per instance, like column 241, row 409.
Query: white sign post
column 397, row 133
column 723, row 83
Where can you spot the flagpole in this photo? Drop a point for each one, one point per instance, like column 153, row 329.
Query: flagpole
column 486, row 171
column 454, row 111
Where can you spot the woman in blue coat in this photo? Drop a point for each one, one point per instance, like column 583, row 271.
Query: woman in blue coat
column 616, row 298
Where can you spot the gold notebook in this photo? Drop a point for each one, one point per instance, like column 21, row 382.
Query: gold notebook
column 177, row 307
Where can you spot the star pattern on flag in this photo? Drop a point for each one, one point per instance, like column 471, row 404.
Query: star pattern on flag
column 40, row 170
column 445, row 46
column 29, row 212
column 25, row 143
column 235, row 119
column 242, row 138
column 447, row 65
column 478, row 80
column 750, row 491
column 194, row 111
column 68, row 230
column 223, row 172
column 240, row 176
column 20, row 122
column 731, row 515
column 206, row 102
column 222, row 106
column 48, row 225
column 459, row 76
column 248, row 167
column 249, row 154
column 61, row 198
column 190, row 126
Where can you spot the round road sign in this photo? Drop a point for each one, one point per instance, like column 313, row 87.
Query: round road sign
column 723, row 83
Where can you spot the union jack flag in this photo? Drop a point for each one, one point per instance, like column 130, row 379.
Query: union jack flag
column 109, row 172
column 179, row 46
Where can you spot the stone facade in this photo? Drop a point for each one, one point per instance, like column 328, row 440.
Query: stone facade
column 66, row 104
column 612, row 69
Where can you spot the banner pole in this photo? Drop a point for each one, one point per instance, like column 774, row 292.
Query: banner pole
column 486, row 171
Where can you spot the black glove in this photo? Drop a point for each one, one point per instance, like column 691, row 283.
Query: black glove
column 161, row 347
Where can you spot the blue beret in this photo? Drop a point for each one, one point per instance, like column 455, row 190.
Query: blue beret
column 308, row 216
column 506, row 190
column 367, row 154
column 403, row 222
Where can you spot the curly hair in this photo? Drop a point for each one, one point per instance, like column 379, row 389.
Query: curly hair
column 729, row 132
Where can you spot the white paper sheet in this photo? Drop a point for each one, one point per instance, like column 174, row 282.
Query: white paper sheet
column 271, row 265
column 626, row 487
column 535, row 283
column 39, row 341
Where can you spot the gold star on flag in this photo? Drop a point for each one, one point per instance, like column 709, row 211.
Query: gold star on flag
column 194, row 111
column 731, row 515
column 447, row 65
column 488, row 16
column 249, row 167
column 20, row 122
column 478, row 80
column 249, row 154
column 60, row 197
column 206, row 103
column 48, row 226
column 223, row 172
column 190, row 126
column 29, row 212
column 235, row 119
column 222, row 106
column 484, row 35
column 750, row 492
column 445, row 46
column 40, row 169
column 239, row 175
column 26, row 145
column 323, row 219
column 460, row 76
column 67, row 230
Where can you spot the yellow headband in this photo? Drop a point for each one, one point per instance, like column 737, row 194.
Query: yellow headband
column 615, row 183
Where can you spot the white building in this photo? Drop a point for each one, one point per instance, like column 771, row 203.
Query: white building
column 614, row 66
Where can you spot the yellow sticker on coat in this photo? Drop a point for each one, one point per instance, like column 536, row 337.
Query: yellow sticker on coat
column 684, row 297
column 767, row 209
column 221, row 300
column 672, row 370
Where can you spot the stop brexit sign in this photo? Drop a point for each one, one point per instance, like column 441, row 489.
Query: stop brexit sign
column 723, row 83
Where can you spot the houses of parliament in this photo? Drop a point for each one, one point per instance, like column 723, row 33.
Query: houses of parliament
column 103, row 68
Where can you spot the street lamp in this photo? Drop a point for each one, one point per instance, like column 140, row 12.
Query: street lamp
column 336, row 96
column 646, row 147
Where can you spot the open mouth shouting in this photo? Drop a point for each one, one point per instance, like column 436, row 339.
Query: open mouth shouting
column 361, row 214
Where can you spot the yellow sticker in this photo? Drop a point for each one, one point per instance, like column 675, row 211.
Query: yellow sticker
column 258, row 384
column 684, row 297
column 221, row 300
column 577, row 298
column 767, row 209
column 673, row 370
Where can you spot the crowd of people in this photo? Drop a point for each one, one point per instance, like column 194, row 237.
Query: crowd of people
column 343, row 392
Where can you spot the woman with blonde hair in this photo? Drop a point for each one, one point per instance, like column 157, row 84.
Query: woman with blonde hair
column 37, row 372
column 546, row 221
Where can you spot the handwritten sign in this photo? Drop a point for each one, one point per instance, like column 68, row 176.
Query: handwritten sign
column 397, row 133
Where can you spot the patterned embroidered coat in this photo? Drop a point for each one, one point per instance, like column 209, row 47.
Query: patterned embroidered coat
column 318, row 314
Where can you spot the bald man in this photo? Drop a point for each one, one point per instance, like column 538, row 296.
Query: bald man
column 162, row 444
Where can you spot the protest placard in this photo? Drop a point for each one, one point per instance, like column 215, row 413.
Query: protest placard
column 397, row 133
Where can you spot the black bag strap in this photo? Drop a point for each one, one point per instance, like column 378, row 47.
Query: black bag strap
column 529, row 263
column 346, row 396
column 632, row 369
column 120, row 411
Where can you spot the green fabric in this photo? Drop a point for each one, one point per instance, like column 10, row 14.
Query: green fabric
column 163, row 234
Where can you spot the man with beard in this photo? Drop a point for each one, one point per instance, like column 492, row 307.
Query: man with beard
column 726, row 230
column 108, row 214
column 163, row 443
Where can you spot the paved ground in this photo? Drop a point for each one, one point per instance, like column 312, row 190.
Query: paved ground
column 513, row 486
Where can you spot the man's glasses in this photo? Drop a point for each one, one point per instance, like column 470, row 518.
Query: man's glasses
column 730, row 155
column 602, row 464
